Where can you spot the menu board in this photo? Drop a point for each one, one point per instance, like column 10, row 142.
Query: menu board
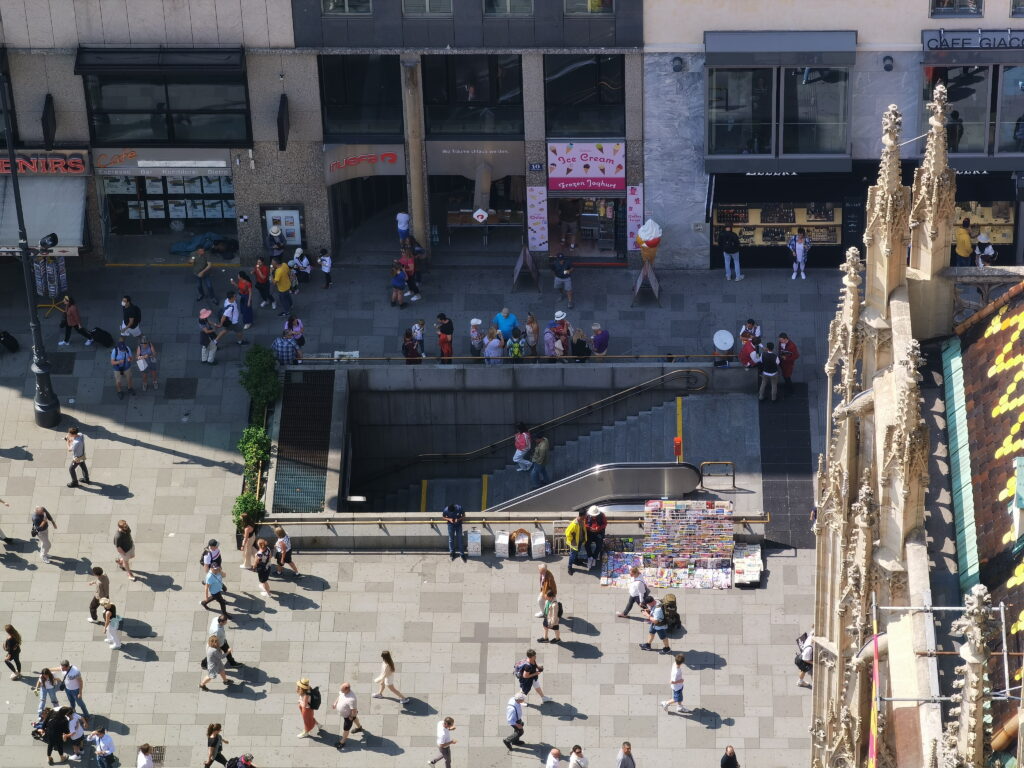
column 175, row 185
column 135, row 209
column 154, row 186
column 634, row 214
column 156, row 209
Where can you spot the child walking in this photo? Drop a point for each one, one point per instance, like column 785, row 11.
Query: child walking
column 675, row 682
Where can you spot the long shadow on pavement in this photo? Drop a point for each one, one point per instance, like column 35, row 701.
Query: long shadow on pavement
column 710, row 720
column 581, row 650
column 703, row 660
column 16, row 453
column 117, row 492
column 418, row 708
column 157, row 582
column 580, row 626
column 97, row 432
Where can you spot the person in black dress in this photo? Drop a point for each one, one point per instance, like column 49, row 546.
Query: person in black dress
column 56, row 732
column 215, row 743
column 12, row 651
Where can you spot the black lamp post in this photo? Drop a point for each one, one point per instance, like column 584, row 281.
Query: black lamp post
column 47, row 406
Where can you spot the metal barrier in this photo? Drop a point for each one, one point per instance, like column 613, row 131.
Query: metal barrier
column 704, row 474
column 353, row 358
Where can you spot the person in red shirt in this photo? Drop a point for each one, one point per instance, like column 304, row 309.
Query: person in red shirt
column 596, row 523
column 749, row 357
column 244, row 285
column 788, row 355
column 261, row 273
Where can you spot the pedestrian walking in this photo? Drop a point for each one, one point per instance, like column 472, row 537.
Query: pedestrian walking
column 144, row 759
column 576, row 539
column 297, row 329
column 658, row 626
column 514, row 717
column 285, row 349
column 131, row 318
column 276, row 242
column 799, row 247
column 729, row 242
column 729, row 758
column 111, row 624
column 76, row 735
column 261, row 276
column 444, row 742
column 230, row 320
column 12, row 651
column 248, row 547
column 201, row 269
column 102, row 584
column 218, row 624
column 675, row 682
column 523, row 444
column 527, row 671
column 599, row 340
column 554, row 758
column 417, row 329
column 215, row 742
column 125, row 547
column 46, row 687
column 283, row 285
column 214, row 582
column 532, row 331
column 625, row 756
column 262, row 558
column 103, row 746
column 596, row 524
column 547, row 585
column 494, row 348
column 552, row 616
column 307, row 710
column 404, row 223
column 75, row 442
column 214, row 664
column 325, row 266
column 562, row 267
column 207, row 337
column 347, row 706
column 41, row 524
column 576, row 759
column 454, row 514
column 212, row 556
column 769, row 372
column 55, row 732
column 445, row 331
column 283, row 547
column 539, row 459
column 638, row 592
column 121, row 362
column 386, row 678
column 408, row 264
column 243, row 284
column 788, row 355
column 145, row 359
column 74, row 686
column 72, row 320
column 805, row 657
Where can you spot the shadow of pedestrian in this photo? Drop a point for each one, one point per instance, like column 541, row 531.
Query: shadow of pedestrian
column 295, row 602
column 252, row 621
column 73, row 564
column 703, row 660
column 710, row 720
column 368, row 743
column 581, row 650
column 117, row 492
column 136, row 628
column 240, row 690
column 16, row 453
column 157, row 582
column 97, row 432
column 254, row 676
column 113, row 726
column 418, row 708
column 16, row 562
column 540, row 750
column 561, row 711
column 139, row 652
column 312, row 583
column 580, row 626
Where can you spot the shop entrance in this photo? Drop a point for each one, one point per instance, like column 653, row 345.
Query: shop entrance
column 589, row 228
column 453, row 199
column 363, row 211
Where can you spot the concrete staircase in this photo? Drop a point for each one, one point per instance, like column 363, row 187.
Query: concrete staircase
column 643, row 437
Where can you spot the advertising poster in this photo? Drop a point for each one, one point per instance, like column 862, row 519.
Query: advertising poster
column 157, row 209
column 211, row 185
column 196, row 209
column 175, row 185
column 178, row 209
column 227, row 186
column 537, row 218
column 154, row 186
column 135, row 209
column 582, row 166
column 194, row 185
column 634, row 214
column 289, row 222
column 214, row 209
column 229, row 209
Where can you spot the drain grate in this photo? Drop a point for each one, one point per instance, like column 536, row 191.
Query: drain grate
column 158, row 754
column 61, row 363
column 180, row 389
column 303, row 442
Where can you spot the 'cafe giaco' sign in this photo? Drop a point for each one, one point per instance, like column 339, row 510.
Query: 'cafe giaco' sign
column 57, row 162
column 352, row 161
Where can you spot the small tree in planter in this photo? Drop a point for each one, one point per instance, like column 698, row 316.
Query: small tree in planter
column 254, row 446
column 259, row 378
column 248, row 506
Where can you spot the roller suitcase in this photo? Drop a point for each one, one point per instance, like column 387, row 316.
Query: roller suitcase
column 9, row 342
column 102, row 337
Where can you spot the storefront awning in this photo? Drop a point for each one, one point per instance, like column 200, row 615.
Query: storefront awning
column 50, row 205
column 808, row 48
column 145, row 61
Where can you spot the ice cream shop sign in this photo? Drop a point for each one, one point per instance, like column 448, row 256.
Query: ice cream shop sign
column 600, row 166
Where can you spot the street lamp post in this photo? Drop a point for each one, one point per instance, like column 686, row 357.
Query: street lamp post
column 47, row 406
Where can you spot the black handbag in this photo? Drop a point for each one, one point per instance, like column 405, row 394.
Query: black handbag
column 203, row 663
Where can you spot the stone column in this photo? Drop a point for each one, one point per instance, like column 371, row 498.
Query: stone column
column 533, row 116
column 415, row 149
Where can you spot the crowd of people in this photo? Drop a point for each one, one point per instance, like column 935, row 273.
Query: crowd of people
column 772, row 361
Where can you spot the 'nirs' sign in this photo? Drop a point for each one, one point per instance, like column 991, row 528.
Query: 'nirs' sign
column 966, row 39
column 55, row 163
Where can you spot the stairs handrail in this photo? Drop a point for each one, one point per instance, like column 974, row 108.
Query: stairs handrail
column 558, row 421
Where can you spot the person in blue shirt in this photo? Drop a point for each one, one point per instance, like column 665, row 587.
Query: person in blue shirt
column 454, row 515
column 215, row 589
column 506, row 322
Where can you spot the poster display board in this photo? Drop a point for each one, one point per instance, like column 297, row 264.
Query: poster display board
column 537, row 218
column 634, row 214
column 288, row 219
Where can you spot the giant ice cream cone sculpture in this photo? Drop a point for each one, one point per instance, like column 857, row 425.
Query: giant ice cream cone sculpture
column 648, row 237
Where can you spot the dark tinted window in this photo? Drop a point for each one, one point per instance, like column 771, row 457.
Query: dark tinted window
column 473, row 94
column 362, row 95
column 584, row 95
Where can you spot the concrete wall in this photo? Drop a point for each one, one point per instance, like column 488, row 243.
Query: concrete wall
column 872, row 90
column 189, row 23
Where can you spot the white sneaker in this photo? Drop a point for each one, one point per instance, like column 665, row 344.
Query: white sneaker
column 263, row 304
column 63, row 343
column 793, row 277
column 545, row 699
column 247, row 326
column 88, row 342
column 417, row 297
column 241, row 565
column 664, row 705
column 46, row 560
column 265, row 594
column 75, row 758
column 539, row 615
column 739, row 277
column 407, row 293
column 377, row 696
column 302, row 735
column 803, row 276
column 728, row 277
column 91, row 620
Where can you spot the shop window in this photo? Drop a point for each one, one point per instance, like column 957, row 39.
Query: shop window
column 1010, row 131
column 169, row 109
column 508, row 7
column 354, row 7
column 1017, row 8
column 361, row 95
column 473, row 94
column 814, row 111
column 970, row 110
column 576, row 7
column 740, row 110
column 584, row 95
column 957, row 8
column 427, row 7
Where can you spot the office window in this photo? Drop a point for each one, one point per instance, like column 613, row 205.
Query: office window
column 362, row 96
column 1010, row 131
column 353, row 7
column 814, row 111
column 1017, row 8
column 191, row 110
column 970, row 111
column 427, row 7
column 473, row 94
column 574, row 7
column 740, row 111
column 508, row 7
column 957, row 8
column 584, row 95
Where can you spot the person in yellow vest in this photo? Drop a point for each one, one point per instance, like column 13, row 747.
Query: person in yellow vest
column 576, row 539
column 962, row 245
column 283, row 284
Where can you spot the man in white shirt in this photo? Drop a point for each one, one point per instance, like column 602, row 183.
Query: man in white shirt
column 404, row 223
column 104, row 746
column 73, row 686
column 514, row 717
column 346, row 707
column 217, row 627
column 444, row 742
column 554, row 758
column 749, row 330
column 805, row 659
column 76, row 736
column 675, row 681
column 229, row 319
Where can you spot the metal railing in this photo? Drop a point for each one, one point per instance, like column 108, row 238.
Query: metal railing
column 354, row 358
column 704, row 474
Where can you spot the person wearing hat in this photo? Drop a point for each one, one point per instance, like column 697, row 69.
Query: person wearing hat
column 476, row 338
column 596, row 524
column 304, row 689
column 207, row 337
column 514, row 717
column 599, row 340
column 276, row 242
column 302, row 266
column 984, row 253
column 211, row 556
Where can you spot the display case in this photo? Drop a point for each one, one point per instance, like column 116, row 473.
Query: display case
column 995, row 218
column 771, row 224
column 597, row 222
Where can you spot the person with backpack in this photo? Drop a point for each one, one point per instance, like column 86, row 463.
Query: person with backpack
column 576, row 539
column 309, row 702
column 346, row 706
column 121, row 362
column 211, row 556
column 638, row 592
column 522, row 445
column 552, row 614
column 527, row 672
column 769, row 372
column 516, row 346
column 659, row 627
column 514, row 717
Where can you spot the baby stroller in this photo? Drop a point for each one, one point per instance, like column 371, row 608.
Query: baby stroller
column 672, row 618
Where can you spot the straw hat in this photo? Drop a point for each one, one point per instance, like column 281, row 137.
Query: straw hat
column 475, row 321
column 983, row 238
column 303, row 683
column 275, row 230
column 593, row 510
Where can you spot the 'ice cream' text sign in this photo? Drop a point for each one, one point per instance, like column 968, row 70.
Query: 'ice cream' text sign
column 586, row 167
